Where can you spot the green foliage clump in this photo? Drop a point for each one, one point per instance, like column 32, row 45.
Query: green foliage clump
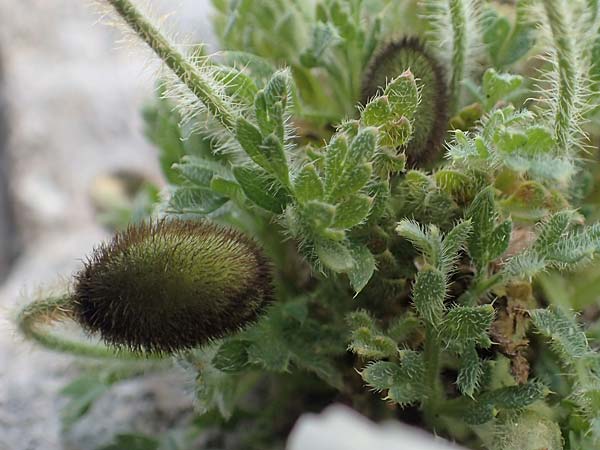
column 456, row 292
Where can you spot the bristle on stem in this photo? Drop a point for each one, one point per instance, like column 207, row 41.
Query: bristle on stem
column 176, row 61
column 566, row 107
column 38, row 320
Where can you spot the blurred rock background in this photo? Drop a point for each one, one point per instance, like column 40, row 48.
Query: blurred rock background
column 70, row 100
column 341, row 428
column 9, row 245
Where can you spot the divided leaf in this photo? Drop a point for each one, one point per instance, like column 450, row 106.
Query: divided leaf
column 564, row 334
column 488, row 241
column 319, row 214
column 237, row 84
column 525, row 265
column 335, row 157
column 352, row 210
column 402, row 381
column 498, row 86
column 429, row 292
column 464, row 326
column 334, row 255
column 516, row 397
column 215, row 389
column 250, row 138
column 347, row 167
column 324, row 36
column 382, row 375
column 377, row 112
column 403, row 95
column 452, row 244
column 370, row 343
column 363, row 268
column 274, row 152
column 470, row 373
column 308, row 185
column 366, row 339
column 362, row 146
column 411, row 230
column 271, row 353
column 353, row 179
column 232, row 356
column 500, row 240
column 552, row 231
column 270, row 105
column 195, row 200
column 194, row 173
column 261, row 189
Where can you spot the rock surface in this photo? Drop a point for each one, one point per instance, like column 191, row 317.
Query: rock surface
column 9, row 245
column 341, row 428
column 73, row 96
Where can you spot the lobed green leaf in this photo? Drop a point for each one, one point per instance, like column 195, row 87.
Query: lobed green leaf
column 564, row 334
column 262, row 190
column 464, row 326
column 428, row 293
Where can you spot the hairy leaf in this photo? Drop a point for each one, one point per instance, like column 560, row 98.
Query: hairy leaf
column 498, row 86
column 250, row 138
column 334, row 255
column 371, row 344
column 261, row 190
column 428, row 294
column 363, row 268
column 470, row 373
column 464, row 326
column 514, row 397
column 382, row 375
column 352, row 210
column 195, row 200
column 565, row 336
column 274, row 152
column 403, row 95
column 232, row 356
column 308, row 185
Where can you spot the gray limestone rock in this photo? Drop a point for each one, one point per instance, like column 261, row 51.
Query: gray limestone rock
column 74, row 95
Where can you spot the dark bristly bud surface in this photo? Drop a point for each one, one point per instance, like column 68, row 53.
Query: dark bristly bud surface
column 431, row 117
column 170, row 285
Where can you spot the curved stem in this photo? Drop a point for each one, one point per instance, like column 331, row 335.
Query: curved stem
column 459, row 51
column 471, row 296
column 176, row 61
column 566, row 67
column 431, row 356
column 35, row 319
column 593, row 7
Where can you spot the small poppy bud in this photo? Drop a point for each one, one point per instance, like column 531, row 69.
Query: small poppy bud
column 431, row 117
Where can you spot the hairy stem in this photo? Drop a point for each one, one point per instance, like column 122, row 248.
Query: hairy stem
column 594, row 15
column 566, row 67
column 35, row 319
column 459, row 51
column 431, row 382
column 482, row 286
column 176, row 61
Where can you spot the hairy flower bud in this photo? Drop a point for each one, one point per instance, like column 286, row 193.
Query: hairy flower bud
column 172, row 284
column 431, row 117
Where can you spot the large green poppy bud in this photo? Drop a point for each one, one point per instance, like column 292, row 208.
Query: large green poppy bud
column 431, row 117
column 170, row 285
